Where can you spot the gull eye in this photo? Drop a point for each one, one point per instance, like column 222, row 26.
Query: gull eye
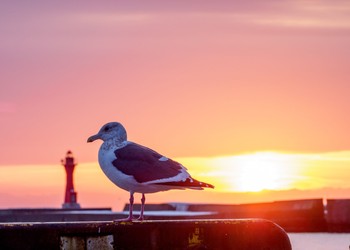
column 106, row 129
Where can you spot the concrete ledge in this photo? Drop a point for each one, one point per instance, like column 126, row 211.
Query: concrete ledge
column 168, row 234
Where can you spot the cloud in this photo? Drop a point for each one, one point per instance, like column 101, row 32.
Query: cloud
column 308, row 14
column 107, row 18
column 100, row 26
column 303, row 14
column 290, row 21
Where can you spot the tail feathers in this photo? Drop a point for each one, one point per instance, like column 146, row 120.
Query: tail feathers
column 188, row 183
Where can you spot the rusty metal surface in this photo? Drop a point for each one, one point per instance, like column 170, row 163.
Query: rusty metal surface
column 167, row 234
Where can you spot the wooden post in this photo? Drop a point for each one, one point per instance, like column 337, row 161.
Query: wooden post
column 245, row 234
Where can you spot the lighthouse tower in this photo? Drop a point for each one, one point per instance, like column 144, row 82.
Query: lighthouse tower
column 70, row 197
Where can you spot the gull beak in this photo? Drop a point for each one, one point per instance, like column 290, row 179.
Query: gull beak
column 93, row 138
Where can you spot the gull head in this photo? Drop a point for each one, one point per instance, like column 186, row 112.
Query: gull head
column 111, row 130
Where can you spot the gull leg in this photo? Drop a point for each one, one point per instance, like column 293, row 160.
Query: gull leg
column 143, row 200
column 131, row 204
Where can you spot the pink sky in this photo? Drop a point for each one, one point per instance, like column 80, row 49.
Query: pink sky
column 189, row 79
column 192, row 79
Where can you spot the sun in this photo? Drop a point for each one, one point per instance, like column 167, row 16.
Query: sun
column 258, row 171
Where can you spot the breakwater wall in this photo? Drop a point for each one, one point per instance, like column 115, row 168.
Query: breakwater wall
column 312, row 215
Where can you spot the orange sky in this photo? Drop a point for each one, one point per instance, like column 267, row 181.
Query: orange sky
column 200, row 79
column 257, row 177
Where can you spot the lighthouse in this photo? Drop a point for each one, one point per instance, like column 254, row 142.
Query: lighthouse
column 70, row 197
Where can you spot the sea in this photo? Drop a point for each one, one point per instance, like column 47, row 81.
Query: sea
column 320, row 241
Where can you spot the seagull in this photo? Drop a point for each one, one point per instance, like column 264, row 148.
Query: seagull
column 138, row 169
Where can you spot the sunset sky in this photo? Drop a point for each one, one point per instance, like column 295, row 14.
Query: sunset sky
column 248, row 95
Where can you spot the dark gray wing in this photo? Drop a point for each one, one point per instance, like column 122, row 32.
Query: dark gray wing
column 143, row 163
